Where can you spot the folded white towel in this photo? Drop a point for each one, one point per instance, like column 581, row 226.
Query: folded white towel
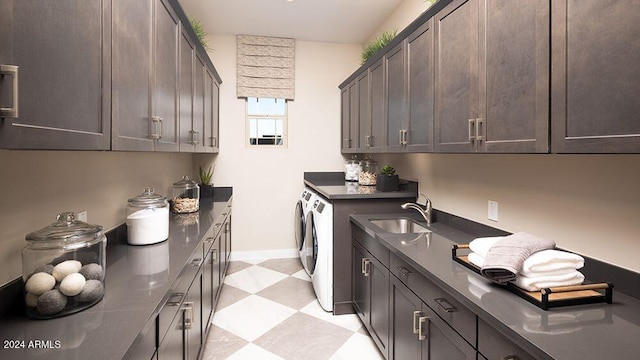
column 482, row 245
column 551, row 262
column 542, row 282
column 476, row 259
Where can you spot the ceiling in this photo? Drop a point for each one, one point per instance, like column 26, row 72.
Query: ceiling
column 337, row 21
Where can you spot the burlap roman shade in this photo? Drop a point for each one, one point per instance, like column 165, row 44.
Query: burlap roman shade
column 266, row 67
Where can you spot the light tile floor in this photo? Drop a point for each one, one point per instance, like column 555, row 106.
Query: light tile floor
column 268, row 310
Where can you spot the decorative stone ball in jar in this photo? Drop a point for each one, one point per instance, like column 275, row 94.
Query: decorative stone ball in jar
column 63, row 267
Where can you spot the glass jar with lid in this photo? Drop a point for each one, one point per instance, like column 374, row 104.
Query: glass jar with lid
column 368, row 172
column 147, row 218
column 186, row 196
column 63, row 267
column 351, row 169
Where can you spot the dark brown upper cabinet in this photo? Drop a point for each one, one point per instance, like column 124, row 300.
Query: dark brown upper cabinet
column 596, row 77
column 349, row 108
column 418, row 134
column 55, row 98
column 376, row 140
column 396, row 99
column 363, row 111
column 144, row 76
column 492, row 77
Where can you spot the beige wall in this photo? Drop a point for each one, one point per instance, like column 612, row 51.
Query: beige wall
column 586, row 203
column 267, row 182
column 404, row 14
column 36, row 185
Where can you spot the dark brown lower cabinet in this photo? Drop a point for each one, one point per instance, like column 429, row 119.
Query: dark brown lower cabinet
column 493, row 345
column 417, row 332
column 371, row 295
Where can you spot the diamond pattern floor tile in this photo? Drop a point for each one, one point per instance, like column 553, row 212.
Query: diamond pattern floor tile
column 302, row 336
column 267, row 309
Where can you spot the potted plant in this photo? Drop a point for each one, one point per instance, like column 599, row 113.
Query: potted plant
column 206, row 187
column 381, row 41
column 387, row 179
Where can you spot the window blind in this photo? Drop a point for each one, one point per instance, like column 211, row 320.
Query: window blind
column 265, row 67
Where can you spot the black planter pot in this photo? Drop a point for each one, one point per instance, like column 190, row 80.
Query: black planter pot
column 388, row 183
column 206, row 191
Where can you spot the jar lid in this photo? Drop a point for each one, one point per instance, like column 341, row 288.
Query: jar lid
column 67, row 231
column 149, row 198
column 186, row 183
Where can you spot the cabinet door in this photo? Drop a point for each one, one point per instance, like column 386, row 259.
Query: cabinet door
column 514, row 76
column 172, row 346
column 198, row 125
column 363, row 111
column 405, row 312
column 186, row 70
column 193, row 319
column 131, row 91
column 165, row 71
column 596, row 78
column 210, row 281
column 63, row 52
column 377, row 105
column 221, row 239
column 397, row 114
column 421, row 88
column 443, row 341
column 456, row 72
column 349, row 117
column 361, row 288
column 379, row 301
column 215, row 108
column 211, row 92
column 227, row 231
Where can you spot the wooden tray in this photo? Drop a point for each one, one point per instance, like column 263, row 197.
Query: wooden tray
column 549, row 297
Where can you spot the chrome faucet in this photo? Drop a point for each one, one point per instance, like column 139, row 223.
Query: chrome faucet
column 425, row 212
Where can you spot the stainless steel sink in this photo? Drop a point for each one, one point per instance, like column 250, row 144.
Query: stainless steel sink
column 400, row 226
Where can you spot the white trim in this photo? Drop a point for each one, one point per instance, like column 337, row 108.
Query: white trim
column 264, row 254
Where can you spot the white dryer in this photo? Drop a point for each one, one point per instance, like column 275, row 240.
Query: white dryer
column 303, row 219
column 319, row 252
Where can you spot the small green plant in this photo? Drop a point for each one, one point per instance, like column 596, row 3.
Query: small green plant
column 387, row 170
column 380, row 42
column 199, row 30
column 205, row 175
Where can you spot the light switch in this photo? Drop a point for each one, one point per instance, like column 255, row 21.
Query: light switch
column 493, row 210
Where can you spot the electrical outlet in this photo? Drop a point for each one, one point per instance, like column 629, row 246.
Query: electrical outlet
column 493, row 210
column 81, row 215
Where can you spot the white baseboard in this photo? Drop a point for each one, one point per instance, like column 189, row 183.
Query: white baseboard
column 264, row 254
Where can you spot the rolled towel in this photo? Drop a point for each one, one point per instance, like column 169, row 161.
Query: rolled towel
column 542, row 282
column 476, row 259
column 505, row 258
column 482, row 245
column 551, row 262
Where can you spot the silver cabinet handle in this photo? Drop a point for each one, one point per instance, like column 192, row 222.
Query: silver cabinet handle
column 367, row 267
column 194, row 137
column 472, row 130
column 479, row 124
column 214, row 255
column 188, row 315
column 445, row 305
column 404, row 271
column 421, row 322
column 416, row 315
column 196, row 262
column 175, row 299
column 10, row 70
column 214, row 141
column 156, row 127
column 510, row 357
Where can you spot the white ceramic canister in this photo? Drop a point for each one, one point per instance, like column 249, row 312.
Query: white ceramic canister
column 147, row 218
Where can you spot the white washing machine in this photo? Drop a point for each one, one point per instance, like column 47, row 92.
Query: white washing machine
column 303, row 217
column 319, row 252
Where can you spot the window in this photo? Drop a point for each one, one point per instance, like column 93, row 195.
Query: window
column 266, row 122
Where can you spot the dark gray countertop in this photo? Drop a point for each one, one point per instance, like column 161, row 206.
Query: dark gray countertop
column 596, row 331
column 137, row 280
column 332, row 186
